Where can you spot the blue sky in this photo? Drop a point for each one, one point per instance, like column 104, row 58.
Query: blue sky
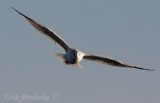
column 126, row 30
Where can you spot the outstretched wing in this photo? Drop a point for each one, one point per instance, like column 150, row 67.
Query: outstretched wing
column 45, row 31
column 112, row 62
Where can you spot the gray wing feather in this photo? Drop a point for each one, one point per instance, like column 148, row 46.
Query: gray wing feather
column 45, row 31
column 112, row 62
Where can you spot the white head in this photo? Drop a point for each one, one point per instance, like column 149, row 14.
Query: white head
column 79, row 56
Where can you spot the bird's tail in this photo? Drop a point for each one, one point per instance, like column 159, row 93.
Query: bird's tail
column 78, row 65
column 62, row 58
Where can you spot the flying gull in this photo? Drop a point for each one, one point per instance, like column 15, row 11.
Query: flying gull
column 74, row 56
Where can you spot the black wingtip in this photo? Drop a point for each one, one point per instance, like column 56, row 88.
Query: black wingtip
column 144, row 68
column 21, row 14
column 15, row 9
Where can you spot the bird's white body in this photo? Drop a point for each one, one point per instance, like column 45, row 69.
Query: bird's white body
column 74, row 56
